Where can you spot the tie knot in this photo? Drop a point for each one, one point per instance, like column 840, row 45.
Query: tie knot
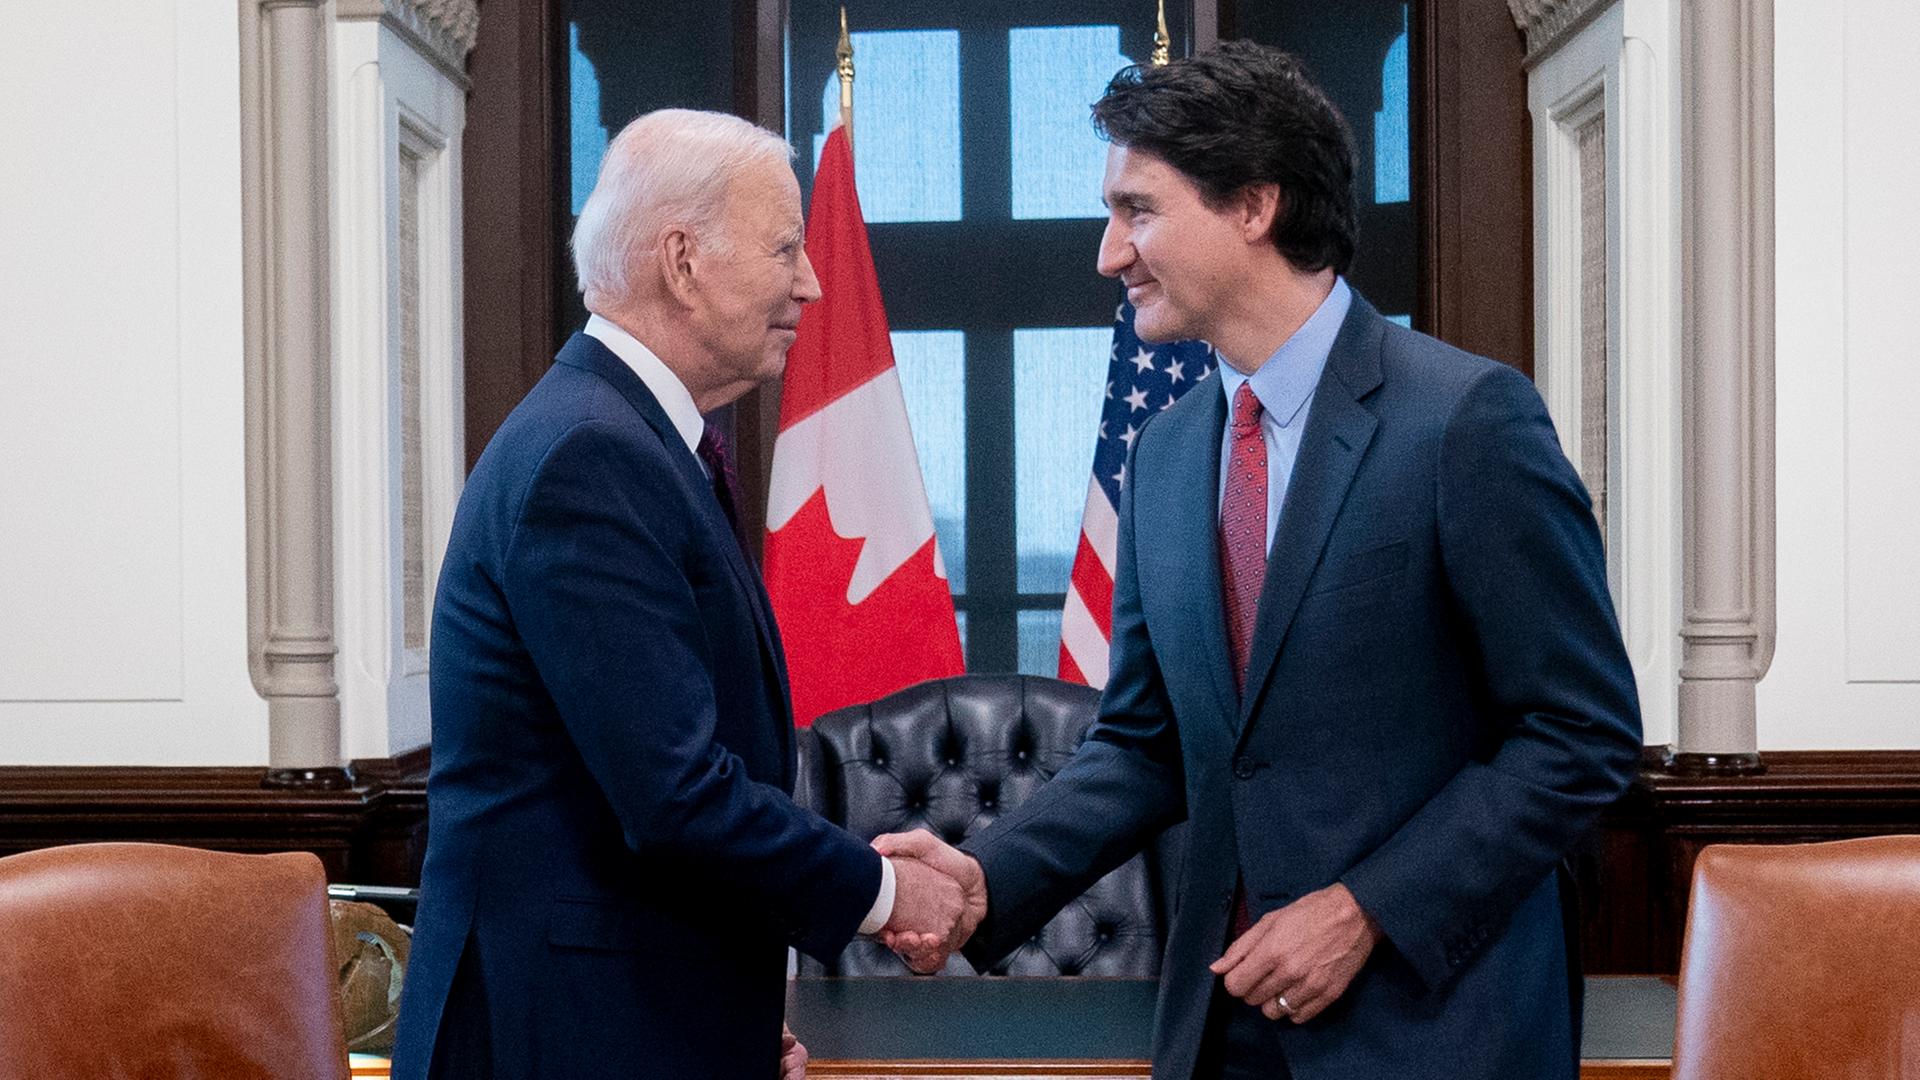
column 1246, row 407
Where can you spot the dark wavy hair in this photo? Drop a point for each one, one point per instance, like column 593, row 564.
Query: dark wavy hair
column 1239, row 114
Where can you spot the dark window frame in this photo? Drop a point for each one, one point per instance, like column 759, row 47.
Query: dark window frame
column 1471, row 180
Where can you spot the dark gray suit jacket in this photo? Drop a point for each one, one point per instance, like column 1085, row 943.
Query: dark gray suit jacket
column 1438, row 706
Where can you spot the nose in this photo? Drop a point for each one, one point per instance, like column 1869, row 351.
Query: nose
column 1116, row 249
column 806, row 287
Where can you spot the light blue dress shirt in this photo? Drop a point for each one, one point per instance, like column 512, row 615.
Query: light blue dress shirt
column 1284, row 385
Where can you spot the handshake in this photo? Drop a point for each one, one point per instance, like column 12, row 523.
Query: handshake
column 939, row 897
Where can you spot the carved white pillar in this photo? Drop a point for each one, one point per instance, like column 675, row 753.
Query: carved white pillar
column 288, row 387
column 1727, row 627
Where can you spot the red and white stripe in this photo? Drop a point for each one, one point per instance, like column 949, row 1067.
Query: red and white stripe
column 1086, row 623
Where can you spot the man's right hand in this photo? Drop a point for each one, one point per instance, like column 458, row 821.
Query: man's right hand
column 927, row 906
column 923, row 952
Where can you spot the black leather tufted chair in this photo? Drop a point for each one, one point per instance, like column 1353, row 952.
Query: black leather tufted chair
column 949, row 756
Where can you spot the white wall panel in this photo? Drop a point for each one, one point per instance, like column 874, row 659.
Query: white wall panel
column 1846, row 670
column 1619, row 71
column 392, row 105
column 122, row 557
column 1882, row 377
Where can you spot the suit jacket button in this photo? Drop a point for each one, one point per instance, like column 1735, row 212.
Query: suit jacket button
column 1243, row 770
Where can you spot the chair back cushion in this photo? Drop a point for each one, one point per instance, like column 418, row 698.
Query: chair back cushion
column 150, row 961
column 1802, row 960
column 949, row 756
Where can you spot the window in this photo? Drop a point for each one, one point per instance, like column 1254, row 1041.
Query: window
column 979, row 174
column 906, row 107
column 1361, row 57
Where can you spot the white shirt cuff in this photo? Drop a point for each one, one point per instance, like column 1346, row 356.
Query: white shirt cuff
column 882, row 904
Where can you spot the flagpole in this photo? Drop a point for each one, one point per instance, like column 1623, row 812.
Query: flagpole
column 844, row 55
column 1160, row 39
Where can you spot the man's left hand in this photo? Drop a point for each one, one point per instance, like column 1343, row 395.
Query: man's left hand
column 1307, row 952
column 793, row 1056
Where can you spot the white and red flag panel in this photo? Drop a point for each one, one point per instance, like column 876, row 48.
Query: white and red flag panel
column 852, row 566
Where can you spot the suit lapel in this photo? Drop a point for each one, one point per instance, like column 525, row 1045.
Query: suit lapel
column 589, row 354
column 1338, row 431
column 1189, row 512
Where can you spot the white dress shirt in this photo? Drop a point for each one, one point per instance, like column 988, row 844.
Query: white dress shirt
column 673, row 396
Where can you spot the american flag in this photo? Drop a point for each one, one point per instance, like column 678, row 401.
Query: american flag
column 1141, row 380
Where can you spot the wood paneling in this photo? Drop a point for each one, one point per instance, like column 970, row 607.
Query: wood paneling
column 1636, row 870
column 901, row 1070
column 371, row 833
column 511, row 236
column 1473, row 179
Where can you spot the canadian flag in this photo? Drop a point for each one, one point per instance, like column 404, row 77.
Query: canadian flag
column 852, row 565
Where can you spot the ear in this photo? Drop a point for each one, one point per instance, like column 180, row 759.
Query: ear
column 1259, row 206
column 674, row 255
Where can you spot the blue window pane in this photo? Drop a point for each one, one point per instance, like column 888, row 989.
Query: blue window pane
column 1059, row 387
column 933, row 377
column 1056, row 73
column 906, row 124
column 589, row 138
column 1039, row 633
column 1392, row 163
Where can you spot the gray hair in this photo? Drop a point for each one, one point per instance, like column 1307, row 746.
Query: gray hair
column 669, row 167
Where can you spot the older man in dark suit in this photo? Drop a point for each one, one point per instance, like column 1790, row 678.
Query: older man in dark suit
column 1362, row 639
column 615, row 868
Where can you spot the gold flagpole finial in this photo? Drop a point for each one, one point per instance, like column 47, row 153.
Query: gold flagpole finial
column 844, row 55
column 1160, row 39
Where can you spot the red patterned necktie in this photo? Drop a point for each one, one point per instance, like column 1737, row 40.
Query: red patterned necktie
column 1243, row 529
column 1243, row 558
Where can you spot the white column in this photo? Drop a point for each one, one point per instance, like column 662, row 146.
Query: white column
column 1727, row 628
column 289, row 392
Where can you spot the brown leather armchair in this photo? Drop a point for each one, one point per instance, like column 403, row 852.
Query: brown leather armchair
column 1802, row 962
column 158, row 962
column 951, row 755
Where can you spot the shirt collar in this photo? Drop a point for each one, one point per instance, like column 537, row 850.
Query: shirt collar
column 1286, row 381
column 667, row 388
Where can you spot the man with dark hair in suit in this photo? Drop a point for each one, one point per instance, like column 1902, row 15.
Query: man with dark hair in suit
column 614, row 867
column 1362, row 639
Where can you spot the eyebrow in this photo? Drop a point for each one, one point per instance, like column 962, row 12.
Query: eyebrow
column 1128, row 200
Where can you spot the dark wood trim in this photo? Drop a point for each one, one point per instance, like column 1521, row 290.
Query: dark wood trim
column 895, row 1070
column 507, row 212
column 372, row 832
column 1473, row 179
column 1636, row 870
column 891, row 1070
column 759, row 71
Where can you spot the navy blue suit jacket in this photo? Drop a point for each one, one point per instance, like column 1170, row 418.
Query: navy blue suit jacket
column 1438, row 705
column 614, row 866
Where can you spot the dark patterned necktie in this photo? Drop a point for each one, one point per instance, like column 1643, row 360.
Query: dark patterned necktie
column 712, row 453
column 1243, row 558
